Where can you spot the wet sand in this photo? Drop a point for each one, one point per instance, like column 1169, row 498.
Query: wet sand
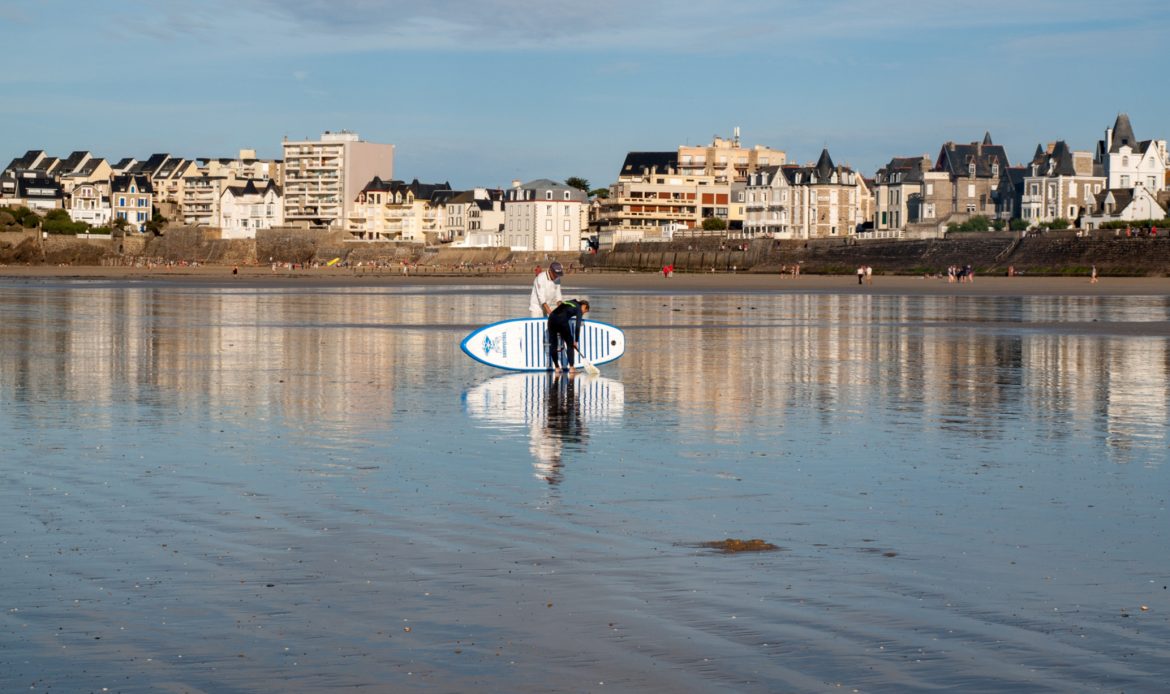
column 619, row 281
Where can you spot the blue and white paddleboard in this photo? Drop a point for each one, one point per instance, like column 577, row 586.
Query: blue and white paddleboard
column 521, row 344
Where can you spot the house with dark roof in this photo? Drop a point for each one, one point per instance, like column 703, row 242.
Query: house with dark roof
column 821, row 200
column 392, row 210
column 545, row 215
column 897, row 194
column 131, row 199
column 968, row 179
column 249, row 206
column 1061, row 183
column 475, row 218
column 1128, row 205
column 1127, row 162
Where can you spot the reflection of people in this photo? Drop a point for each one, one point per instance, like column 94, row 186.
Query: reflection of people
column 562, row 424
column 564, row 324
column 546, row 291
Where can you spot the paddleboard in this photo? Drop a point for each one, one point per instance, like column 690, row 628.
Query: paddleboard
column 521, row 344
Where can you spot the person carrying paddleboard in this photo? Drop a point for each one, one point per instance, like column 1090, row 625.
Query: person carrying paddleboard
column 564, row 323
column 546, row 291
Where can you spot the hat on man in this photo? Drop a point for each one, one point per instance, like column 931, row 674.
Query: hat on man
column 556, row 268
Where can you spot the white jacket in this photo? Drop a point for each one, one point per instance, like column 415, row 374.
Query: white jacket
column 544, row 291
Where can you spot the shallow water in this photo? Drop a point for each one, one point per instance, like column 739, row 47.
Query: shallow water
column 281, row 489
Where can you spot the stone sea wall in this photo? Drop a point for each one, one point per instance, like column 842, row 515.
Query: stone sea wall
column 1055, row 253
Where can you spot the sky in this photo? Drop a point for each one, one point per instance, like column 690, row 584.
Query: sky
column 481, row 92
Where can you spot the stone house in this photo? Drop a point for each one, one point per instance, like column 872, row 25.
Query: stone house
column 1061, row 183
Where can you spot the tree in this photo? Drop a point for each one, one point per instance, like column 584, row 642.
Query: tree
column 1059, row 223
column 156, row 223
column 602, row 193
column 1017, row 224
column 119, row 224
column 714, row 224
column 578, row 183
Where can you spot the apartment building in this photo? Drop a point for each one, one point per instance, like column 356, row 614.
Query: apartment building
column 396, row 211
column 965, row 181
column 545, row 215
column 323, row 178
column 1129, row 163
column 805, row 202
column 1062, row 183
column 726, row 159
column 653, row 200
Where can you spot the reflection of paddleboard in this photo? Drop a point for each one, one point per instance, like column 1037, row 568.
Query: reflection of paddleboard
column 521, row 344
column 522, row 399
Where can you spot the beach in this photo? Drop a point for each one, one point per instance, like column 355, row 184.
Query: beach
column 297, row 481
column 584, row 281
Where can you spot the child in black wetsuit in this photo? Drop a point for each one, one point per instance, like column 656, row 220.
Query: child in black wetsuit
column 564, row 323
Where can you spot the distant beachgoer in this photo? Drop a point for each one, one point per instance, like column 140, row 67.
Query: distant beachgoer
column 564, row 323
column 546, row 291
column 868, row 275
column 1093, row 275
column 860, row 274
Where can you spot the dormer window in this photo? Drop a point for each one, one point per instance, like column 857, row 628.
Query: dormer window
column 971, row 169
column 995, row 168
column 548, row 195
column 566, row 195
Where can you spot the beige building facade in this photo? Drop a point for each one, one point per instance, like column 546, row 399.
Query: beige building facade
column 1062, row 183
column 323, row 178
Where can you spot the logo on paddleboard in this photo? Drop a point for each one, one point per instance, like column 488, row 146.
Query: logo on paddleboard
column 498, row 345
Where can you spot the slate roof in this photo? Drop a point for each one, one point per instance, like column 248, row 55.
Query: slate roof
column 903, row 170
column 638, row 163
column 1060, row 159
column 121, row 184
column 151, row 165
column 1122, row 134
column 123, row 164
column 820, row 173
column 956, row 159
column 249, row 188
column 73, row 161
column 25, row 162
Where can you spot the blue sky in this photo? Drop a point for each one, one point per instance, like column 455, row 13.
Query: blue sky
column 477, row 92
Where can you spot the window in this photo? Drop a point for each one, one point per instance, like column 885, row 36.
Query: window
column 548, row 195
column 548, row 225
column 930, row 189
column 121, row 202
column 566, row 225
column 566, row 195
column 1125, row 181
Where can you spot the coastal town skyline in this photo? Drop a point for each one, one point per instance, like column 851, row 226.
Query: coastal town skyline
column 482, row 94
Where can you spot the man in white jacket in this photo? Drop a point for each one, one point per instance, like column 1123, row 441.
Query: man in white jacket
column 546, row 291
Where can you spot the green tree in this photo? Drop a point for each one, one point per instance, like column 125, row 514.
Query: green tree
column 602, row 193
column 714, row 224
column 1059, row 223
column 157, row 223
column 578, row 183
column 1017, row 225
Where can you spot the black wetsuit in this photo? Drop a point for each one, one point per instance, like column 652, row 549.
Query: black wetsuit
column 564, row 323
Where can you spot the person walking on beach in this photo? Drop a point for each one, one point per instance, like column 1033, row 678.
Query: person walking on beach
column 860, row 274
column 1093, row 275
column 564, row 324
column 868, row 275
column 546, row 291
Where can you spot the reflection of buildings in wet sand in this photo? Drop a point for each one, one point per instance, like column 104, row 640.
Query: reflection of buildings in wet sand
column 825, row 352
column 556, row 411
column 333, row 358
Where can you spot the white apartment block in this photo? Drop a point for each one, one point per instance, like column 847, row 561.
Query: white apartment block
column 475, row 219
column 544, row 215
column 323, row 178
